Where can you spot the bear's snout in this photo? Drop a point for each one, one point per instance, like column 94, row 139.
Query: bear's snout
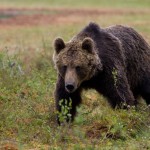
column 71, row 80
column 70, row 87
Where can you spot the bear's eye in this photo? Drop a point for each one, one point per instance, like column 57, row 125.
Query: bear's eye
column 64, row 67
column 78, row 68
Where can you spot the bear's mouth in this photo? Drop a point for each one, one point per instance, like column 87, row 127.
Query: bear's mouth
column 69, row 91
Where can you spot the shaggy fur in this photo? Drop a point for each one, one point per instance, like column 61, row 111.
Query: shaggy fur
column 114, row 61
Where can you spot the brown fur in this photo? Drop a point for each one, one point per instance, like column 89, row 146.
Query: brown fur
column 114, row 61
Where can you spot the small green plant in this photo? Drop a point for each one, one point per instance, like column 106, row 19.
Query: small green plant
column 66, row 106
column 115, row 74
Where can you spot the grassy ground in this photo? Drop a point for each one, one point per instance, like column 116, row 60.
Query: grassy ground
column 27, row 80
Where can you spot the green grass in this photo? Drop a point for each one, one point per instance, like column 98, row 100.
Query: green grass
column 27, row 82
column 27, row 112
column 27, row 109
column 78, row 3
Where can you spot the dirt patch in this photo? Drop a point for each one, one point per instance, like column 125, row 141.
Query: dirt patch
column 8, row 145
column 32, row 17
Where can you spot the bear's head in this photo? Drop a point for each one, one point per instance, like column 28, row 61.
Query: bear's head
column 76, row 61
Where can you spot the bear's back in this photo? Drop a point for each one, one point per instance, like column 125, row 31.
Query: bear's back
column 134, row 50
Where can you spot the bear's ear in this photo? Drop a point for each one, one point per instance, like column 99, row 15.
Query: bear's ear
column 87, row 45
column 59, row 45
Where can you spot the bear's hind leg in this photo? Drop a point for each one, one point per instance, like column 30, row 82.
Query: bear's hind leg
column 145, row 91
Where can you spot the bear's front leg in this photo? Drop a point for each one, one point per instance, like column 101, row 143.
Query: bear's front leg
column 65, row 102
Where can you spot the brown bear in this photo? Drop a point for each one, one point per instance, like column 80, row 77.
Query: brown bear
column 115, row 61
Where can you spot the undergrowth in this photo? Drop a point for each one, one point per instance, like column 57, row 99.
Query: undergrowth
column 27, row 112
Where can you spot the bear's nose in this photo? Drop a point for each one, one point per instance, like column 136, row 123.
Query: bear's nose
column 69, row 87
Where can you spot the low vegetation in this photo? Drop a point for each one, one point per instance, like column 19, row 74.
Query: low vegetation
column 27, row 112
